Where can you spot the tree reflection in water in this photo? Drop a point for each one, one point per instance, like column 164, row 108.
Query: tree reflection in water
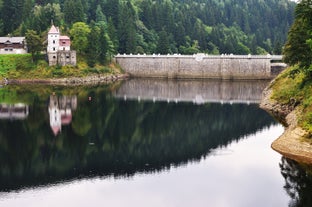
column 298, row 183
column 69, row 138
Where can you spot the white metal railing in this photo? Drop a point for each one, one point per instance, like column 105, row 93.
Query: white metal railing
column 202, row 56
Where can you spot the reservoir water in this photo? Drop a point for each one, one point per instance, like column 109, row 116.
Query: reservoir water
column 144, row 143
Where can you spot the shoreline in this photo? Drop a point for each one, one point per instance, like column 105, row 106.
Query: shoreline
column 291, row 143
column 88, row 80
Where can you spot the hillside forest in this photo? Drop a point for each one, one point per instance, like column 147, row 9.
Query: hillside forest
column 105, row 27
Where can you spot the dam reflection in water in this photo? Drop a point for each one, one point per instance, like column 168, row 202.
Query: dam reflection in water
column 132, row 153
column 196, row 91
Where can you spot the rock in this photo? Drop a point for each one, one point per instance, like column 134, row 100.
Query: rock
column 292, row 143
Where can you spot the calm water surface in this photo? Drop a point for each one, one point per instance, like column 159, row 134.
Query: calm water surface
column 144, row 143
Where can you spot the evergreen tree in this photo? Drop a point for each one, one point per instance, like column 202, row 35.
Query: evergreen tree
column 74, row 11
column 112, row 33
column 93, row 49
column 297, row 49
column 99, row 14
column 234, row 26
column 10, row 12
column 163, row 43
column 127, row 28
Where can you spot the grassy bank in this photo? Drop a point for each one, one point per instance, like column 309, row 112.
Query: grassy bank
column 295, row 91
column 22, row 67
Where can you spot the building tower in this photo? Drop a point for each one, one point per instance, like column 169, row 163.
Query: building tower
column 53, row 44
column 58, row 49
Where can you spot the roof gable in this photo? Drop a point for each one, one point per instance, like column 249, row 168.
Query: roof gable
column 11, row 39
column 54, row 30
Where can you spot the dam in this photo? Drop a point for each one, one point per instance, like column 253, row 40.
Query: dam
column 247, row 67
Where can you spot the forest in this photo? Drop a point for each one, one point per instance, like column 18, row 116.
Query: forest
column 107, row 27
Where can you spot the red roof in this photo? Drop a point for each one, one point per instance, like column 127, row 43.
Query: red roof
column 64, row 38
column 54, row 30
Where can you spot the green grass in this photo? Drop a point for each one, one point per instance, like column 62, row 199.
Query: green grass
column 22, row 67
column 14, row 62
column 295, row 90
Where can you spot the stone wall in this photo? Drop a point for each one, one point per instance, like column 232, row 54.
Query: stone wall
column 62, row 58
column 66, row 57
column 197, row 66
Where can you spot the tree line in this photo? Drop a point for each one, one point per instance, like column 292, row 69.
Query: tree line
column 155, row 26
column 298, row 48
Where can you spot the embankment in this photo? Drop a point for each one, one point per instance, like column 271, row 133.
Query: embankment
column 292, row 143
column 92, row 79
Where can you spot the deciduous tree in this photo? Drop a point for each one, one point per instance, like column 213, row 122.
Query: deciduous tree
column 34, row 43
column 79, row 34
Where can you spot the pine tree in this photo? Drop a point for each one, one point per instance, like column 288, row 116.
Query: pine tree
column 127, row 28
column 93, row 49
column 74, row 11
column 297, row 50
column 163, row 43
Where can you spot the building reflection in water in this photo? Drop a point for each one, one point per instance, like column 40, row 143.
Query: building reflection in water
column 18, row 111
column 60, row 111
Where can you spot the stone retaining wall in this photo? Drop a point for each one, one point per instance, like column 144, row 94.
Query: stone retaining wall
column 198, row 66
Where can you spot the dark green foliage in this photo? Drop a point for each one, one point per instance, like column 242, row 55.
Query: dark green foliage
column 163, row 43
column 74, row 11
column 298, row 48
column 211, row 26
column 34, row 43
column 93, row 49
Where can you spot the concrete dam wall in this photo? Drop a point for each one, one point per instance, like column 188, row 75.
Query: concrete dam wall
column 196, row 91
column 199, row 66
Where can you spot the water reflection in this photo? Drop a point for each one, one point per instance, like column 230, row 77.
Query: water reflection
column 94, row 134
column 298, row 183
column 60, row 111
column 13, row 111
column 199, row 91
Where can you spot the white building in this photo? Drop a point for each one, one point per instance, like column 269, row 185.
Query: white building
column 13, row 45
column 58, row 49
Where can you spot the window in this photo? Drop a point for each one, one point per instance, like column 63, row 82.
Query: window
column 53, row 41
column 54, row 57
column 53, row 48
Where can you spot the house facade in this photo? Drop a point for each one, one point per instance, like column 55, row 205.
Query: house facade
column 58, row 49
column 13, row 45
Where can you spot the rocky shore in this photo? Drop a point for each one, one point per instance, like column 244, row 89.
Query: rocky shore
column 292, row 143
column 88, row 80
